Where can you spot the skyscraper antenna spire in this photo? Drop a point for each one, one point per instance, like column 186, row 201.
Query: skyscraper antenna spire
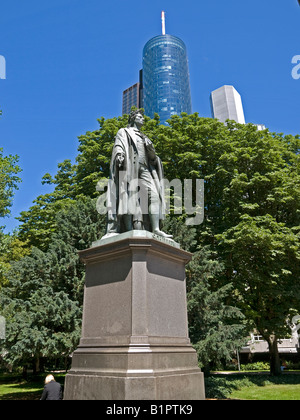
column 163, row 22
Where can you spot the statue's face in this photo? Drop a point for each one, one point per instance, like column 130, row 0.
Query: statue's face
column 139, row 120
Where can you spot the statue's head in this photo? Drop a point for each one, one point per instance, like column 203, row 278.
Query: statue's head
column 132, row 116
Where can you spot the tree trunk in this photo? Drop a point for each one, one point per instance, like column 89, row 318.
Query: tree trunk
column 206, row 370
column 36, row 365
column 24, row 372
column 274, row 356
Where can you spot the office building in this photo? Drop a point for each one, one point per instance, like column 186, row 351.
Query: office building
column 166, row 82
column 226, row 104
column 130, row 98
column 260, row 127
column 133, row 96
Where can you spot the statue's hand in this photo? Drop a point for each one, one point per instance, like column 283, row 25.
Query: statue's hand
column 120, row 160
column 150, row 150
column 148, row 142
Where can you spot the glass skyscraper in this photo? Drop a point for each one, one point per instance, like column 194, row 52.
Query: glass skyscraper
column 166, row 81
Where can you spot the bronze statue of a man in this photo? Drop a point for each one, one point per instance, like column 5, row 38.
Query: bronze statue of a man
column 135, row 196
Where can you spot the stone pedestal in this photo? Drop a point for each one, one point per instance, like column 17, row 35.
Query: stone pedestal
column 134, row 343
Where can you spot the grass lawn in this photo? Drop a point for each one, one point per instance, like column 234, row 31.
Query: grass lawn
column 268, row 392
column 244, row 386
column 13, row 387
column 254, row 386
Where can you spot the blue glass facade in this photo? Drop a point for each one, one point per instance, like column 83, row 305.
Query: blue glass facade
column 166, row 79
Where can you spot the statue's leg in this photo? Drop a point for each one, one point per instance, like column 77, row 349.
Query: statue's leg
column 127, row 219
column 112, row 226
column 149, row 186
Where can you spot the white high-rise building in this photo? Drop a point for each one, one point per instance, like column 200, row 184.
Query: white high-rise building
column 260, row 127
column 226, row 104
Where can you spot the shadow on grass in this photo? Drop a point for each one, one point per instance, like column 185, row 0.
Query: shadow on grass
column 21, row 396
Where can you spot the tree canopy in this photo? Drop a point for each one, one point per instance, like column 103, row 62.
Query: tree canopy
column 245, row 270
column 42, row 300
column 9, row 180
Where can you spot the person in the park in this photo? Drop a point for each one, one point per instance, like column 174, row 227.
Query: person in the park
column 52, row 389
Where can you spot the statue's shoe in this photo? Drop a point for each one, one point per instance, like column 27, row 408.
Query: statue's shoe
column 163, row 234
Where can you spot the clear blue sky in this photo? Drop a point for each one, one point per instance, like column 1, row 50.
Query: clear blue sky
column 68, row 62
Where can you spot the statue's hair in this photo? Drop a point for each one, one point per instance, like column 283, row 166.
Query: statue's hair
column 132, row 116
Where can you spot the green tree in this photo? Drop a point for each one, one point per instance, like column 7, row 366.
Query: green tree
column 247, row 173
column 216, row 328
column 39, row 222
column 42, row 301
column 252, row 187
column 11, row 249
column 94, row 156
column 264, row 257
column 71, row 182
column 8, row 181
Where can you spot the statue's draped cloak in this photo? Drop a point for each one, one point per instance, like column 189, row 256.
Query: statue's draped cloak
column 122, row 191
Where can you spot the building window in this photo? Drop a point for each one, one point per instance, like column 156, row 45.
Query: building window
column 256, row 338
